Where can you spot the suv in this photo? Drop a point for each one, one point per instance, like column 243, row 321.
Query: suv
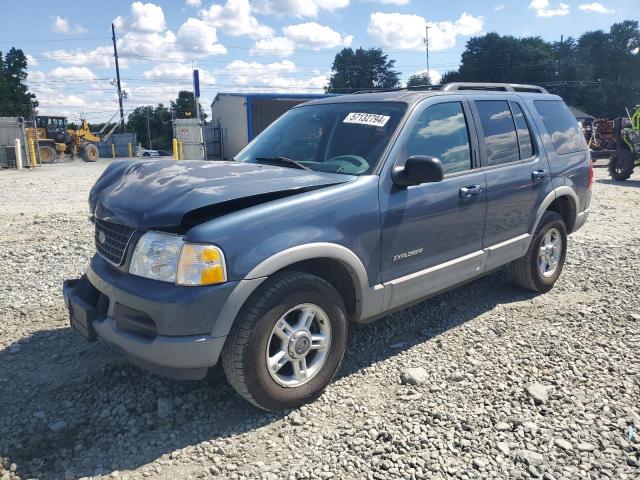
column 343, row 210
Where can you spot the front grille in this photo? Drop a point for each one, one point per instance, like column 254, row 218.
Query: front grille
column 115, row 240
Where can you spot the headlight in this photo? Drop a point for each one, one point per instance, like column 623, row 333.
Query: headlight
column 166, row 257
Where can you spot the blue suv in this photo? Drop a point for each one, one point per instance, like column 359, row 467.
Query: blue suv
column 343, row 210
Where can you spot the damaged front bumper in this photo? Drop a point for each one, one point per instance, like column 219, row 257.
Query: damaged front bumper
column 151, row 330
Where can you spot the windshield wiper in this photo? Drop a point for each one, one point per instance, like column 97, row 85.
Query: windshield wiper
column 282, row 161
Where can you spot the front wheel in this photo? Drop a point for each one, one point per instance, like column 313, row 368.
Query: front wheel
column 90, row 152
column 539, row 269
column 287, row 342
column 621, row 165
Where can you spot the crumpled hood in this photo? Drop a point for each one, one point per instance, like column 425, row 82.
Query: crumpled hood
column 158, row 193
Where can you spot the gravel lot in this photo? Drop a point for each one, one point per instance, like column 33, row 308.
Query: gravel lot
column 513, row 385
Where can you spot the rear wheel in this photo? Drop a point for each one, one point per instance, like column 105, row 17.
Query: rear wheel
column 539, row 269
column 90, row 153
column 287, row 343
column 621, row 165
column 47, row 153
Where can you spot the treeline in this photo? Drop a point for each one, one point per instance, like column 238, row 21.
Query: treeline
column 599, row 72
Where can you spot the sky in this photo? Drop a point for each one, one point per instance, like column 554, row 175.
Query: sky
column 255, row 45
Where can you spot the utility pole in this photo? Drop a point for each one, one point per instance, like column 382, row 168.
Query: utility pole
column 560, row 58
column 115, row 56
column 148, row 130
column 426, row 42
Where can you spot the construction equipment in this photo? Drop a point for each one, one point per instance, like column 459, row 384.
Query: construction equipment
column 55, row 140
column 627, row 154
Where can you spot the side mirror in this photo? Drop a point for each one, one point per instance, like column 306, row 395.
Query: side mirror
column 418, row 169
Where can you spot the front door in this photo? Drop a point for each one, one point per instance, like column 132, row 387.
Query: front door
column 432, row 233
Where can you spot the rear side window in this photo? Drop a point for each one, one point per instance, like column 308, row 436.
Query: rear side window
column 525, row 140
column 441, row 132
column 499, row 131
column 561, row 125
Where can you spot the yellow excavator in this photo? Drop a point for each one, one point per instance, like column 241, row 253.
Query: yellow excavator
column 55, row 140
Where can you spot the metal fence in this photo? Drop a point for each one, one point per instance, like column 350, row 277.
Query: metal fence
column 189, row 132
column 121, row 142
column 10, row 129
column 213, row 141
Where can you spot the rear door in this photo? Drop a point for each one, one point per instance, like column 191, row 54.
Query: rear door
column 517, row 173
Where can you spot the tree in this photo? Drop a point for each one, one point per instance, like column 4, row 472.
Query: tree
column 496, row 58
column 185, row 107
column 418, row 80
column 362, row 70
column 159, row 126
column 15, row 98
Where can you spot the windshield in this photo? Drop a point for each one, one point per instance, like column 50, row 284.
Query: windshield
column 338, row 137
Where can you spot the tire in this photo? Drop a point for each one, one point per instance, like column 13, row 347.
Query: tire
column 47, row 154
column 621, row 165
column 252, row 339
column 527, row 271
column 90, row 152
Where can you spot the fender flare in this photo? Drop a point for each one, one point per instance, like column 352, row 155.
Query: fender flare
column 563, row 191
column 310, row 251
column 283, row 259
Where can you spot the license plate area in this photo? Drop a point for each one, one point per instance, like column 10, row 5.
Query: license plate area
column 84, row 303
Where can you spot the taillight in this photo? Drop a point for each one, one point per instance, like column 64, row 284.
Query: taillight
column 590, row 174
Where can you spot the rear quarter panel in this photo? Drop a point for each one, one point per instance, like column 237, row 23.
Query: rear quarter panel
column 571, row 169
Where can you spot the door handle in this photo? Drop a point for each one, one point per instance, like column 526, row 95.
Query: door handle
column 538, row 174
column 470, row 190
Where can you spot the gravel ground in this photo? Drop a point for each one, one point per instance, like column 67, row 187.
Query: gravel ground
column 506, row 384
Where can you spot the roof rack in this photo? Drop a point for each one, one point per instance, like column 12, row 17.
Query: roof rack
column 493, row 87
column 459, row 86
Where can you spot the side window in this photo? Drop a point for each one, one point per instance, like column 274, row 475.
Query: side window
column 499, row 131
column 525, row 139
column 561, row 125
column 441, row 131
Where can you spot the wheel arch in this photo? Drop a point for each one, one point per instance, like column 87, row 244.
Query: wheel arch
column 334, row 263
column 562, row 200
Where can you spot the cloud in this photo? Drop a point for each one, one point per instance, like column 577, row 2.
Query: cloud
column 311, row 36
column 144, row 33
column 392, row 2
column 234, row 18
column 498, row 8
column 315, row 36
column 196, row 37
column 277, row 76
column 194, row 3
column 406, row 31
column 543, row 8
column 31, row 60
column 280, row 46
column 178, row 71
column 144, row 17
column 79, row 73
column 595, row 7
column 100, row 56
column 294, row 8
column 61, row 25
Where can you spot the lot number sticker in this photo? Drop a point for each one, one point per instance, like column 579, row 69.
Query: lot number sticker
column 367, row 119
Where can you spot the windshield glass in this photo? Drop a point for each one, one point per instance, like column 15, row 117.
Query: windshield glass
column 339, row 137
